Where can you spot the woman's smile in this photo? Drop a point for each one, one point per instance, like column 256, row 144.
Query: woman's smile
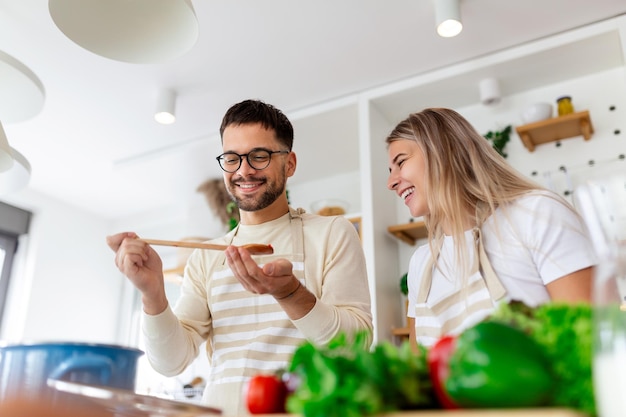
column 407, row 175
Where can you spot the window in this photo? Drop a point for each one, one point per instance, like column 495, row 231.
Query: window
column 13, row 223
column 8, row 246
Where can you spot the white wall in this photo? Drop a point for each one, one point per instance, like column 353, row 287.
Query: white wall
column 64, row 286
column 343, row 187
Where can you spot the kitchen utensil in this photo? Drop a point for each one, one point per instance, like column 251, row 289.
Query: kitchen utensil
column 25, row 368
column 253, row 248
column 602, row 204
column 128, row 403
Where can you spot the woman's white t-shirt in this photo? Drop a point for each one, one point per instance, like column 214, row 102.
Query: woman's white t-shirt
column 533, row 242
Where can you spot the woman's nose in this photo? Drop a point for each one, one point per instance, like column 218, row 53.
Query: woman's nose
column 392, row 182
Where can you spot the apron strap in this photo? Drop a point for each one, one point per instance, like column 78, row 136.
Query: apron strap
column 232, row 233
column 427, row 278
column 297, row 233
column 495, row 287
column 295, row 216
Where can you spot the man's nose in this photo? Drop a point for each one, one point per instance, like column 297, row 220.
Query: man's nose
column 245, row 165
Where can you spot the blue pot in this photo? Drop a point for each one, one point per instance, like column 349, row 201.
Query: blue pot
column 25, row 369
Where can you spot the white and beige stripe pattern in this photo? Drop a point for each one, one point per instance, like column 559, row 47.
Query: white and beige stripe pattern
column 250, row 331
column 464, row 307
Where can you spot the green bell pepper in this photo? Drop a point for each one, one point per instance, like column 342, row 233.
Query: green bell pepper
column 495, row 365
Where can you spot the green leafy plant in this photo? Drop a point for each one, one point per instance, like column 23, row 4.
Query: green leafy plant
column 348, row 379
column 499, row 139
column 232, row 209
column 404, row 286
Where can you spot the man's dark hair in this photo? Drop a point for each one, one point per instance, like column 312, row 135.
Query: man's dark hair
column 255, row 111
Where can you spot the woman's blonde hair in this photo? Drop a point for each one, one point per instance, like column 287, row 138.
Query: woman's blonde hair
column 466, row 177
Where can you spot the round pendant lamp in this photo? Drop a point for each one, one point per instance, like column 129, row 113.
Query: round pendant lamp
column 21, row 97
column 134, row 31
column 6, row 154
column 17, row 176
column 21, row 93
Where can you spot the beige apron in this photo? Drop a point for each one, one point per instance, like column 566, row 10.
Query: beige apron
column 225, row 384
column 482, row 292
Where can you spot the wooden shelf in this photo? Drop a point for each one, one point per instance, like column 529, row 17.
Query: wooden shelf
column 409, row 232
column 399, row 334
column 556, row 128
column 401, row 331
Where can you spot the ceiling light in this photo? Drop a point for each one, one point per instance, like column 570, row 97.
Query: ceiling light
column 17, row 176
column 489, row 91
column 137, row 31
column 166, row 105
column 21, row 93
column 448, row 16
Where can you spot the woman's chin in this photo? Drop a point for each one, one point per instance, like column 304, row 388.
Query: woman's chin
column 416, row 212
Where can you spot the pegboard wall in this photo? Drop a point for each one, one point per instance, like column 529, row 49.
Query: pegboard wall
column 564, row 165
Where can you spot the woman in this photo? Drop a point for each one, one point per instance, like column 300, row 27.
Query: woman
column 493, row 234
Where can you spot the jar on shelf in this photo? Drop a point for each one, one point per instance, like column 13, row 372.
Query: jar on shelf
column 564, row 105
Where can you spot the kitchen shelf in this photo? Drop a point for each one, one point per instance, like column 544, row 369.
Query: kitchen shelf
column 556, row 128
column 400, row 331
column 409, row 232
column 400, row 334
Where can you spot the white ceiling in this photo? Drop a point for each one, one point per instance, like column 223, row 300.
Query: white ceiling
column 95, row 144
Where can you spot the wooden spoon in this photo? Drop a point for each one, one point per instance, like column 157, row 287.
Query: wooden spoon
column 253, row 248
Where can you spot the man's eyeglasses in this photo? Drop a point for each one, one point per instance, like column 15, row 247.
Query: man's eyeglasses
column 257, row 158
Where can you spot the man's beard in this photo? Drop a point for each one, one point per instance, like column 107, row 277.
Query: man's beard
column 274, row 190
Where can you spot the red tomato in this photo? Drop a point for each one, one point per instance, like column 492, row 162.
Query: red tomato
column 266, row 394
column 438, row 358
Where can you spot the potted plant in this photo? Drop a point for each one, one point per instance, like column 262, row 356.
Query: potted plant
column 220, row 202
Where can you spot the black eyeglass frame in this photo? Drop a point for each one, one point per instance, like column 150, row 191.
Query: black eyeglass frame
column 252, row 164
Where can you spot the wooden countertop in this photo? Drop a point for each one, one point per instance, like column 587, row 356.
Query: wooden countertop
column 528, row 412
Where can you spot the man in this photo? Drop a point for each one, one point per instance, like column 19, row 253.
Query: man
column 253, row 311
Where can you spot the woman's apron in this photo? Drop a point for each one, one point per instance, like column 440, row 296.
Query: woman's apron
column 226, row 385
column 464, row 306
